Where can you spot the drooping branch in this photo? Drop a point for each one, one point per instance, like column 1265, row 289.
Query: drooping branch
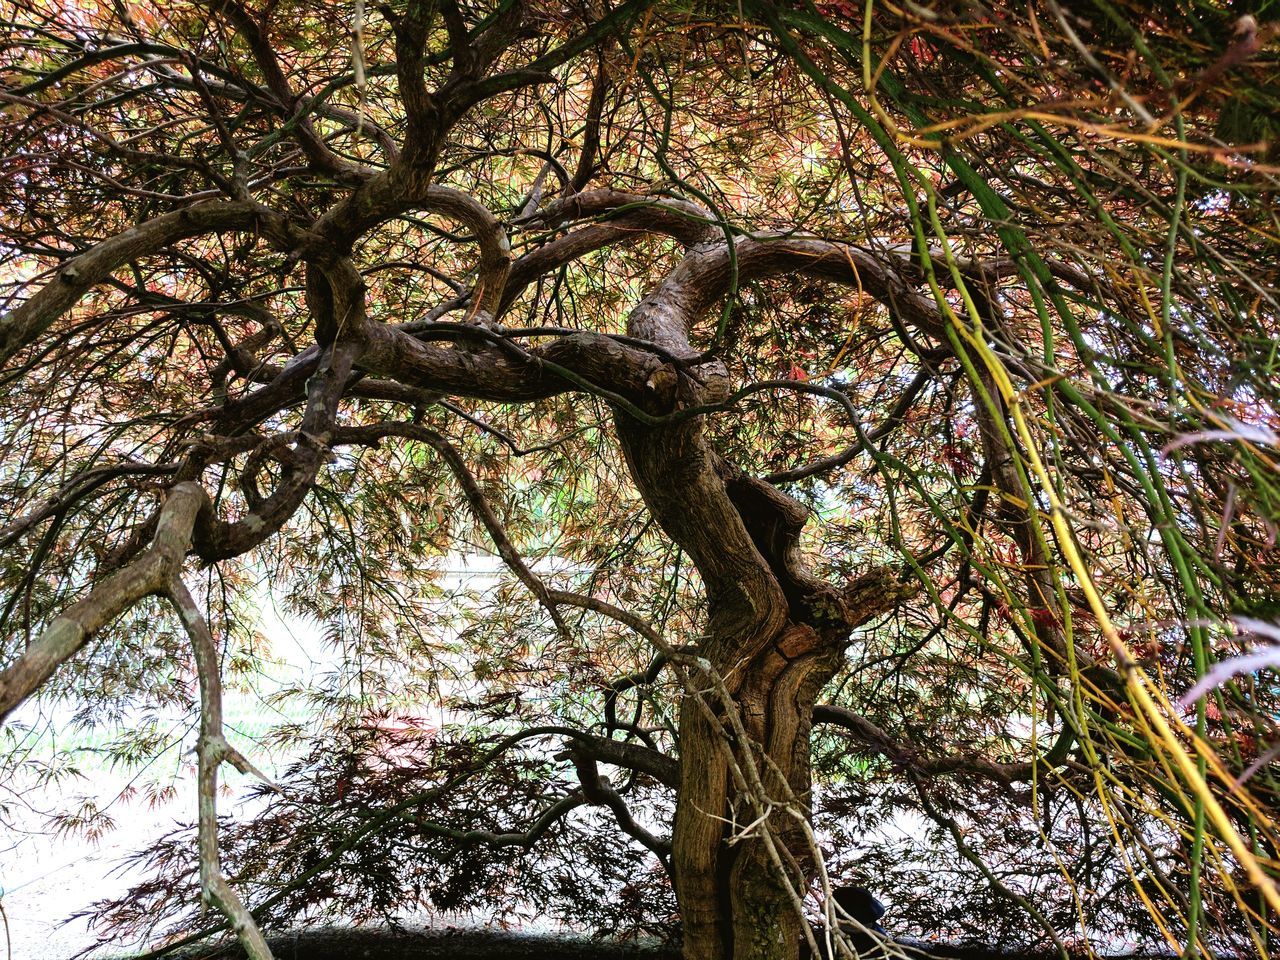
column 1014, row 511
column 211, row 750
column 598, row 790
column 909, row 758
column 302, row 453
column 475, row 498
column 553, row 814
column 74, row 490
column 147, row 575
column 591, row 134
column 73, row 279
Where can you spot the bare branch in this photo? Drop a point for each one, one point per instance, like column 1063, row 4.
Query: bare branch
column 77, row 276
column 211, row 750
column 149, row 574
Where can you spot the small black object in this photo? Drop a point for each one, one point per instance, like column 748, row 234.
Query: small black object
column 867, row 935
column 861, row 904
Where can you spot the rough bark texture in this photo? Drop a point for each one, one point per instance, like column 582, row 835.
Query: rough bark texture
column 775, row 636
column 229, row 226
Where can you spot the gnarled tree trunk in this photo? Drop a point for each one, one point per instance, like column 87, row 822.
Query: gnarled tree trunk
column 775, row 636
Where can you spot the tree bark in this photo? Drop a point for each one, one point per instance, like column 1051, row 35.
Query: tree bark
column 149, row 574
column 775, row 636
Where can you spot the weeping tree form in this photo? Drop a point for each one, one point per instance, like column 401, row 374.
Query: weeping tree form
column 918, row 360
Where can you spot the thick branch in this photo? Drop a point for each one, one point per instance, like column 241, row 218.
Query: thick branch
column 22, row 325
column 502, row 370
column 704, row 276
column 631, row 756
column 598, row 790
column 310, row 452
column 421, row 111
column 149, row 574
column 682, row 219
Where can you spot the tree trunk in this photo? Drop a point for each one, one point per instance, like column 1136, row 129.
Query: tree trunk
column 734, row 901
column 773, row 638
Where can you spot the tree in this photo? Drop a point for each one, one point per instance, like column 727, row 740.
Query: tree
column 906, row 371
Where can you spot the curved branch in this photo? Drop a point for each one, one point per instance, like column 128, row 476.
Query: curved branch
column 620, row 685
column 402, row 189
column 495, row 249
column 728, row 523
column 882, row 430
column 624, row 218
column 682, row 219
column 544, row 822
column 908, row 758
column 704, row 277
column 221, row 539
column 77, row 276
column 599, row 791
column 78, row 487
column 149, row 574
column 630, row 756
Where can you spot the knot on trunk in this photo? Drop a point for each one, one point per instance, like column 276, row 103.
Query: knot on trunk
column 877, row 591
column 775, row 521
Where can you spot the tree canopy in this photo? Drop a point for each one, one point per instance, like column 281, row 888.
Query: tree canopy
column 874, row 407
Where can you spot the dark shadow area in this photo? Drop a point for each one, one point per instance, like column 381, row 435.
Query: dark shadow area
column 369, row 943
column 366, row 943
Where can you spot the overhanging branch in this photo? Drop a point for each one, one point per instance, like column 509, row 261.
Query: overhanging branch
column 148, row 575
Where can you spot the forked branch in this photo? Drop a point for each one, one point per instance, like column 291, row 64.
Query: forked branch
column 211, row 750
column 149, row 574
